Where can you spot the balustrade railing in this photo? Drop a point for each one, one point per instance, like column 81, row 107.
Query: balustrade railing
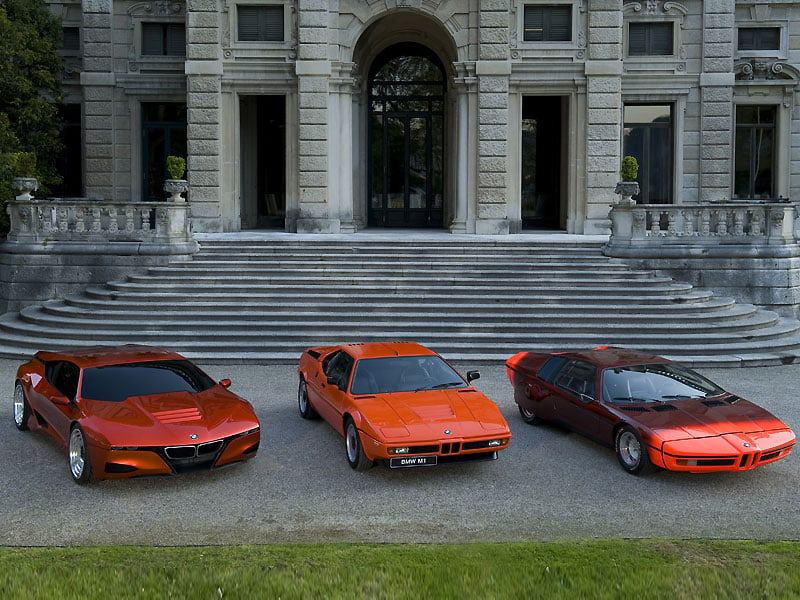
column 90, row 220
column 748, row 223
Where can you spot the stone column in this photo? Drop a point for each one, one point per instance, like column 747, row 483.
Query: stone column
column 603, row 111
column 204, row 113
column 313, row 68
column 341, row 197
column 493, row 70
column 716, row 100
column 97, row 83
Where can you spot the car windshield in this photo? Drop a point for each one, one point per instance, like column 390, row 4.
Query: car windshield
column 655, row 383
column 403, row 374
column 115, row 383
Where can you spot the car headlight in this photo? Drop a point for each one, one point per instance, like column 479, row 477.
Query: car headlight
column 401, row 450
column 495, row 443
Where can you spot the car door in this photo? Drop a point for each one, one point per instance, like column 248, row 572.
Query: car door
column 576, row 405
column 59, row 390
column 331, row 399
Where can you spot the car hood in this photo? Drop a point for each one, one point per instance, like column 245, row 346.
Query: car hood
column 177, row 418
column 425, row 415
column 692, row 419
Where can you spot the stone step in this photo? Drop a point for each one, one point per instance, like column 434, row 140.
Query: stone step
column 706, row 308
column 731, row 321
column 268, row 298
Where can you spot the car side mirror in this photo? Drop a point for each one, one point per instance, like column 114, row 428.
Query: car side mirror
column 226, row 383
column 473, row 375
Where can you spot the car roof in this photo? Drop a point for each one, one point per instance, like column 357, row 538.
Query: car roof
column 386, row 349
column 607, row 356
column 110, row 355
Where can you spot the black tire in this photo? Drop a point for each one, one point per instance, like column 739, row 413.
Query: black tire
column 306, row 410
column 22, row 410
column 80, row 467
column 353, row 448
column 631, row 452
column 528, row 416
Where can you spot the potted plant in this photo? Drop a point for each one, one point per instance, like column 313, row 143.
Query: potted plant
column 23, row 168
column 628, row 187
column 176, row 184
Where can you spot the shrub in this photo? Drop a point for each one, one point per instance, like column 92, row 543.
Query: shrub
column 630, row 168
column 176, row 166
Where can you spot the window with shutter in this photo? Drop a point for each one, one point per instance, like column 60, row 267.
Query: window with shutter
column 260, row 23
column 545, row 23
column 163, row 39
column 759, row 38
column 650, row 39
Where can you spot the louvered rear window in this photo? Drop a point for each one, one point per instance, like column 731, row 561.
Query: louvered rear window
column 650, row 39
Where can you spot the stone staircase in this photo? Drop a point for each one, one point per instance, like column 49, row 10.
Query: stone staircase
column 266, row 298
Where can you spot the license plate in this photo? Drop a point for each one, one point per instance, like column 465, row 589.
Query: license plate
column 412, row 461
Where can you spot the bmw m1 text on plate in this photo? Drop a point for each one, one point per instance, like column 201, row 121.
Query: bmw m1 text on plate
column 654, row 412
column 400, row 403
column 133, row 410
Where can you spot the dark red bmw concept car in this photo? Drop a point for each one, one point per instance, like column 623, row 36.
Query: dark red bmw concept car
column 652, row 411
column 133, row 410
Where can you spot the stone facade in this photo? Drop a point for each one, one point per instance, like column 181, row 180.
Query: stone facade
column 319, row 128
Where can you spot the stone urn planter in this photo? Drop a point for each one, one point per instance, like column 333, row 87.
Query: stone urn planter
column 176, row 187
column 628, row 187
column 24, row 185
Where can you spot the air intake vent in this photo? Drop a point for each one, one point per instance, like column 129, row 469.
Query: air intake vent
column 713, row 403
column 635, row 408
column 664, row 408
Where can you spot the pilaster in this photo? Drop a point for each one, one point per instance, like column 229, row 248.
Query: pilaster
column 204, row 113
column 97, row 83
column 716, row 100
column 603, row 71
column 493, row 71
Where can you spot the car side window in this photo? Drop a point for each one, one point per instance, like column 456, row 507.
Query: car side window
column 340, row 367
column 578, row 378
column 64, row 376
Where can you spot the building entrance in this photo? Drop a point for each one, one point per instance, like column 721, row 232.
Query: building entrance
column 406, row 138
column 263, row 162
column 542, row 159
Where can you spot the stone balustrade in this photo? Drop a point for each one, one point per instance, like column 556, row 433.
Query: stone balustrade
column 746, row 250
column 98, row 221
column 662, row 225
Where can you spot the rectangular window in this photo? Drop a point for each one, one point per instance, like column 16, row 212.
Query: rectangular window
column 754, row 153
column 649, row 138
column 71, row 41
column 552, row 23
column 260, row 23
column 650, row 39
column 163, row 39
column 759, row 38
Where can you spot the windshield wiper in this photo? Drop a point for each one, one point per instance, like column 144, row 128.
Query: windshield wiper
column 682, row 397
column 439, row 386
column 632, row 399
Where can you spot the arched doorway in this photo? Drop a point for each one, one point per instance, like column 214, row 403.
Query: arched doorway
column 407, row 87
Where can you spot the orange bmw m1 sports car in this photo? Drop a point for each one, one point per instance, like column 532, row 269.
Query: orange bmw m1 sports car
column 133, row 410
column 654, row 412
column 399, row 403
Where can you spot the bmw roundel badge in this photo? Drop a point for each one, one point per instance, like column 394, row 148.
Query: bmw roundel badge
column 746, row 444
column 193, row 436
column 447, row 432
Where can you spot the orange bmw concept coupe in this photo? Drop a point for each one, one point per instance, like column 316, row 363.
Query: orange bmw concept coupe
column 133, row 410
column 399, row 403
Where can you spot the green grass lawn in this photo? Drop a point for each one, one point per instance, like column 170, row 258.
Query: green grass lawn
column 667, row 569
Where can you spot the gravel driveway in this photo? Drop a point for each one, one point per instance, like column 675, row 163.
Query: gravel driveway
column 548, row 485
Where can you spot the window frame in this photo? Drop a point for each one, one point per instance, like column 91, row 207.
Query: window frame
column 781, row 52
column 165, row 26
column 548, row 5
column 234, row 23
column 775, row 151
column 648, row 55
column 673, row 127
